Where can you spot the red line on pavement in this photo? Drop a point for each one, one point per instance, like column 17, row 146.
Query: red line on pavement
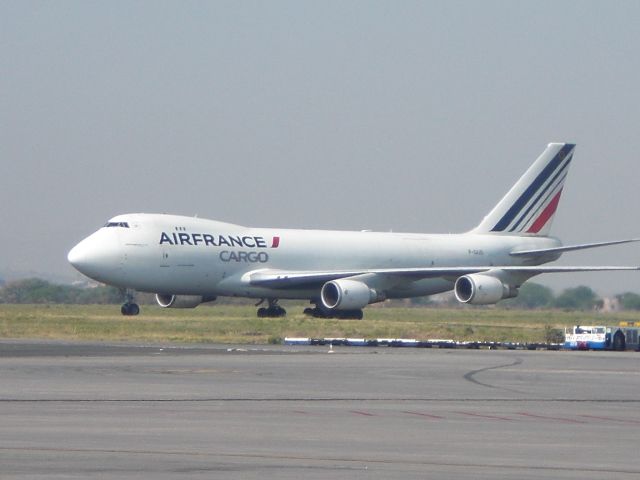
column 492, row 417
column 555, row 419
column 622, row 420
column 427, row 415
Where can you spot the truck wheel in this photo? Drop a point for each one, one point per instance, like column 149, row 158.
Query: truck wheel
column 619, row 343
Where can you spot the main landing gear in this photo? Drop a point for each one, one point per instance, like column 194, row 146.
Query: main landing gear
column 129, row 307
column 272, row 311
column 319, row 312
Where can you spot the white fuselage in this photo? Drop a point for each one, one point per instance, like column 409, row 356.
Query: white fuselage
column 171, row 254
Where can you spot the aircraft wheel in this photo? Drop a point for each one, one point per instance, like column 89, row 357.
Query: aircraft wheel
column 130, row 309
column 272, row 312
column 320, row 313
column 308, row 311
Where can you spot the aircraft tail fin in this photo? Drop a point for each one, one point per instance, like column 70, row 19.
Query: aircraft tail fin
column 529, row 207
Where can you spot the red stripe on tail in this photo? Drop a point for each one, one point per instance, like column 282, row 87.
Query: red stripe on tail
column 546, row 214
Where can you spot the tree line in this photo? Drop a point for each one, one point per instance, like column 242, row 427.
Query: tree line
column 536, row 296
column 532, row 296
column 36, row 290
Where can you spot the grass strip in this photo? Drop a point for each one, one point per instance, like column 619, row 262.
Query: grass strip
column 239, row 324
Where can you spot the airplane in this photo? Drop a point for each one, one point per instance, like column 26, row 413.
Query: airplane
column 187, row 261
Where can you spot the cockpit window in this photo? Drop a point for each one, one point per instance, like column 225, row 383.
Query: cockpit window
column 117, row 224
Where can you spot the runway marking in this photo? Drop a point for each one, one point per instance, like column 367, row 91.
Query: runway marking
column 625, row 373
column 611, row 419
column 359, row 460
column 630, row 401
column 426, row 415
column 469, row 376
column 491, row 417
column 546, row 417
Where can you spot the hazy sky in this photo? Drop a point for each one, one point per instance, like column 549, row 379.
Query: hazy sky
column 398, row 115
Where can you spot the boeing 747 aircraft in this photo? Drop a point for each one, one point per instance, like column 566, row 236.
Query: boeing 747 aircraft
column 186, row 261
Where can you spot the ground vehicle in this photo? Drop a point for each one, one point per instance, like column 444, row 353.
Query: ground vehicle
column 600, row 337
column 583, row 337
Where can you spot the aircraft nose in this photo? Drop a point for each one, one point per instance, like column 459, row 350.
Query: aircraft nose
column 81, row 256
column 97, row 256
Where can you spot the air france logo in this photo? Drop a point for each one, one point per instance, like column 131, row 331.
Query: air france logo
column 209, row 240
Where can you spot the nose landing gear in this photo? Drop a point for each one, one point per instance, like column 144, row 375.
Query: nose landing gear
column 129, row 307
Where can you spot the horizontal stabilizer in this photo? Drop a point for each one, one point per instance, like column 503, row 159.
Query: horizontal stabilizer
column 570, row 248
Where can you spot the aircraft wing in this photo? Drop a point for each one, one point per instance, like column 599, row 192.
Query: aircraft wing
column 284, row 278
column 292, row 279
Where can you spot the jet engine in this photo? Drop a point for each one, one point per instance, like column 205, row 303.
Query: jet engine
column 181, row 301
column 344, row 294
column 478, row 289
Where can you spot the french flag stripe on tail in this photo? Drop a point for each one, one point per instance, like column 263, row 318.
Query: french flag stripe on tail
column 537, row 204
column 547, row 213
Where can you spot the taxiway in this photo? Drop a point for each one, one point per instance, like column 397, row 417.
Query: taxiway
column 161, row 411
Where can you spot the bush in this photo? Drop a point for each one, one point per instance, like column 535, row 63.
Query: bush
column 553, row 335
column 531, row 295
column 629, row 301
column 578, row 298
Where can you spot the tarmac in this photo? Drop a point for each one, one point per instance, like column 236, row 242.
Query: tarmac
column 82, row 410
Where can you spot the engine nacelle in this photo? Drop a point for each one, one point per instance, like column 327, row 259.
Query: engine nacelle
column 478, row 289
column 181, row 301
column 344, row 294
